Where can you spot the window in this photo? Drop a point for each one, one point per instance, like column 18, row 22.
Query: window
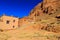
column 7, row 22
column 13, row 26
column 13, row 20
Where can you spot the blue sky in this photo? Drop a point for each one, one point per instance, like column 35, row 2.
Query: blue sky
column 17, row 8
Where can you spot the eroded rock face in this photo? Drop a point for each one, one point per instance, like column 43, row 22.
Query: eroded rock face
column 45, row 16
column 47, row 13
column 46, row 7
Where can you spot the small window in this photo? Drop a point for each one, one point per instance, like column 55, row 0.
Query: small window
column 13, row 20
column 13, row 26
column 7, row 22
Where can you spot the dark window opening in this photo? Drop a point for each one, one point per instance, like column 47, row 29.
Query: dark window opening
column 13, row 20
column 7, row 22
column 13, row 26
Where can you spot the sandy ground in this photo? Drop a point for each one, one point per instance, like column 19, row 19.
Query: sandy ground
column 30, row 34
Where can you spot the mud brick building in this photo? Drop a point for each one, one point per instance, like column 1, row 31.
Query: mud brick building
column 8, row 22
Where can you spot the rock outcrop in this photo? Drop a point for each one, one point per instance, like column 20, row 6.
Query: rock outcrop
column 47, row 13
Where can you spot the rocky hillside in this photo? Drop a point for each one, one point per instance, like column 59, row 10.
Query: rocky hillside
column 47, row 14
column 43, row 23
